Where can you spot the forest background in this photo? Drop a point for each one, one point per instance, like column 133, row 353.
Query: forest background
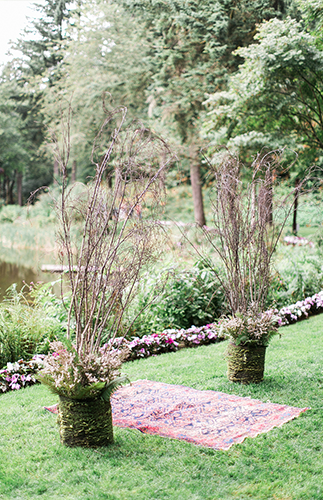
column 199, row 73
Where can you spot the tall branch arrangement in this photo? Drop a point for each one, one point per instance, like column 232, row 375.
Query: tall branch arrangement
column 245, row 234
column 108, row 233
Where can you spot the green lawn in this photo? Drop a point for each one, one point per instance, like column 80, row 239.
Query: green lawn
column 284, row 464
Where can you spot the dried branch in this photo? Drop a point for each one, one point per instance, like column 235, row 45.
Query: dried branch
column 110, row 234
column 245, row 235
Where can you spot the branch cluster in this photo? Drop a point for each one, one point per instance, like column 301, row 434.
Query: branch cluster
column 245, row 235
column 108, row 232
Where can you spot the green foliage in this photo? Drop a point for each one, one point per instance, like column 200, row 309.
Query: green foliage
column 190, row 297
column 26, row 329
column 105, row 56
column 15, row 146
column 43, row 48
column 10, row 213
column 22, row 124
column 299, row 275
column 276, row 96
column 113, row 386
column 191, row 45
column 308, row 213
column 21, row 136
column 41, row 214
column 156, row 58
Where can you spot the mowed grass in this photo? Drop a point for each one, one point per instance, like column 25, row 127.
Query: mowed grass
column 284, row 464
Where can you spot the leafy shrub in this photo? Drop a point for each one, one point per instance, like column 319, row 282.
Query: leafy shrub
column 41, row 212
column 27, row 328
column 190, row 297
column 299, row 275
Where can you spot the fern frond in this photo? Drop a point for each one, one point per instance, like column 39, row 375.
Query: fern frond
column 113, row 386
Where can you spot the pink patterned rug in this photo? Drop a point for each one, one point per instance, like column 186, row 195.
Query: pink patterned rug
column 206, row 418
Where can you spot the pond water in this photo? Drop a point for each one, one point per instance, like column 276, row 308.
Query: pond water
column 19, row 274
column 23, row 266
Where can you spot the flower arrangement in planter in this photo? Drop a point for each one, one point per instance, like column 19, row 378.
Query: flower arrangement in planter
column 84, row 383
column 107, row 234
column 245, row 238
column 249, row 335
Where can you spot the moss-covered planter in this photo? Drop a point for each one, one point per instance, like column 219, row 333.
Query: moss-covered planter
column 86, row 422
column 246, row 363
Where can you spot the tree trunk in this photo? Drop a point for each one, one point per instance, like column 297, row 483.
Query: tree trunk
column 10, row 194
column 296, row 195
column 7, row 190
column 73, row 176
column 197, row 187
column 19, row 188
column 2, row 183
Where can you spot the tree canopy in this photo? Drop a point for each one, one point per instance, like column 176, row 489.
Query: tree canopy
column 194, row 71
column 276, row 96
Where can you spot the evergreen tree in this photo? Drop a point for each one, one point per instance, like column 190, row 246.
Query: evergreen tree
column 43, row 39
column 22, row 87
column 104, row 59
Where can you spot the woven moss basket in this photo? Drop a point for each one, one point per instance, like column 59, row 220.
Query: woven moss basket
column 246, row 363
column 86, row 422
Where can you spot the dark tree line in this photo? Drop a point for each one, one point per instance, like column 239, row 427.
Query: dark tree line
column 161, row 59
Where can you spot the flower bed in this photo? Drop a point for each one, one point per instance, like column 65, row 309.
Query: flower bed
column 170, row 341
column 298, row 241
column 21, row 374
column 301, row 310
